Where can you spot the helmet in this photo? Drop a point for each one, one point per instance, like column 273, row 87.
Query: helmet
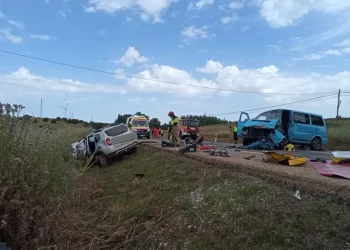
column 171, row 113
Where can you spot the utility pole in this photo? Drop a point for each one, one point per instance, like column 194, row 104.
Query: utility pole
column 41, row 107
column 338, row 104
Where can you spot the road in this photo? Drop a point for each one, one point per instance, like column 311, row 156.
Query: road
column 299, row 153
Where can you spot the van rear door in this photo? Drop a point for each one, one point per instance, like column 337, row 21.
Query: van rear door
column 242, row 119
column 321, row 128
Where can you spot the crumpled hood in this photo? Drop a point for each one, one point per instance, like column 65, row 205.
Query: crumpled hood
column 271, row 124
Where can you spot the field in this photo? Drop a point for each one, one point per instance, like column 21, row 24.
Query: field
column 338, row 133
column 148, row 200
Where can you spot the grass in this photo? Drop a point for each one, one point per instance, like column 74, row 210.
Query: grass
column 178, row 203
column 338, row 133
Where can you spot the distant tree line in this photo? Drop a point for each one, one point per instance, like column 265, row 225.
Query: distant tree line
column 207, row 120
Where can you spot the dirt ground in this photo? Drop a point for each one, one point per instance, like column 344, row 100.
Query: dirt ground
column 304, row 178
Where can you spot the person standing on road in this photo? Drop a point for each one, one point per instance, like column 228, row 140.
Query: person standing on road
column 174, row 128
column 234, row 130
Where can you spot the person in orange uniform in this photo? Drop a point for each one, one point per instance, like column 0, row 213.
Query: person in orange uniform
column 174, row 128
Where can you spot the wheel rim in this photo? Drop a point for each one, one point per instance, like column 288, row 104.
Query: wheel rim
column 103, row 160
column 317, row 143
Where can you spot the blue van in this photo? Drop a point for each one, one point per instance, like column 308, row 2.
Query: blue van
column 297, row 127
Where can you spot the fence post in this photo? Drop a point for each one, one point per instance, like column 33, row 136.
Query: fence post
column 216, row 137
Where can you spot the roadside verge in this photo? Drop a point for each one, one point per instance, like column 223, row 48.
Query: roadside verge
column 303, row 178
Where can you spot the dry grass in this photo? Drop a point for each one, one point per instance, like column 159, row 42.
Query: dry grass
column 338, row 133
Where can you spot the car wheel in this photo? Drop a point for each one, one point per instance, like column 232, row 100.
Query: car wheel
column 148, row 137
column 102, row 160
column 316, row 144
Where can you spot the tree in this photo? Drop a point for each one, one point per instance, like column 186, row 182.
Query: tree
column 122, row 118
column 154, row 123
column 206, row 120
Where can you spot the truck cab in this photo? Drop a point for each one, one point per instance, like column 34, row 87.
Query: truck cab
column 140, row 126
column 188, row 128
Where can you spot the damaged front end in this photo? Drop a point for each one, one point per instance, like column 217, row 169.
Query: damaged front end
column 255, row 133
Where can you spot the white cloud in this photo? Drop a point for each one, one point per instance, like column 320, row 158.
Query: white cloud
column 345, row 43
column 2, row 15
column 266, row 79
column 229, row 19
column 41, row 37
column 282, row 13
column 103, row 33
column 236, row 5
column 200, row 4
column 169, row 74
column 7, row 35
column 18, row 24
column 244, row 28
column 23, row 80
column 132, row 56
column 63, row 14
column 322, row 54
column 119, row 74
column 89, row 9
column 193, row 33
column 148, row 9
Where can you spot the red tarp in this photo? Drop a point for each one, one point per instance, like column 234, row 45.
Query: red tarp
column 330, row 169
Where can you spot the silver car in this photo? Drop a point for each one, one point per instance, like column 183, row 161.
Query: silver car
column 109, row 142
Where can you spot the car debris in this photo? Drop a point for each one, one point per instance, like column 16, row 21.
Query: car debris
column 219, row 152
column 284, row 159
column 106, row 143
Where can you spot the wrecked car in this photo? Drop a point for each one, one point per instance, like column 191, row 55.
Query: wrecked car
column 282, row 126
column 107, row 142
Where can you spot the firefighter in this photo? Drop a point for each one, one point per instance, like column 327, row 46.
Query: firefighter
column 174, row 128
column 234, row 130
column 161, row 133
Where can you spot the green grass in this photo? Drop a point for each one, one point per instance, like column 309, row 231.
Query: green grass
column 179, row 203
column 338, row 133
column 184, row 204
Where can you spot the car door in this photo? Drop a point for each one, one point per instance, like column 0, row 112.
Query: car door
column 241, row 122
column 301, row 130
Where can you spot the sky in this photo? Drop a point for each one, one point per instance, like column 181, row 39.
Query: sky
column 214, row 57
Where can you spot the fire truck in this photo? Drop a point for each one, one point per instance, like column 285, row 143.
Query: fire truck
column 188, row 128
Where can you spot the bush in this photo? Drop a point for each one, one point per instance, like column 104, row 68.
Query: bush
column 75, row 121
column 58, row 118
column 46, row 119
column 35, row 179
column 64, row 119
column 35, row 121
column 53, row 121
column 86, row 124
column 69, row 121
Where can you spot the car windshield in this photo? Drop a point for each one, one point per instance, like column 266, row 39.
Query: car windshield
column 269, row 115
column 192, row 123
column 140, row 123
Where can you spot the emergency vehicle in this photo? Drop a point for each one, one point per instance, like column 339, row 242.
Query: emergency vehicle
column 140, row 125
column 188, row 128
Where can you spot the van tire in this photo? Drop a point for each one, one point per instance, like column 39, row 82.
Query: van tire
column 316, row 144
column 149, row 137
column 246, row 142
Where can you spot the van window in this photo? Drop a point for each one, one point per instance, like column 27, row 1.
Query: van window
column 316, row 120
column 117, row 130
column 301, row 118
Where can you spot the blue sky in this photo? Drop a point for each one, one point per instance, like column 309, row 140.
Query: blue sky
column 295, row 49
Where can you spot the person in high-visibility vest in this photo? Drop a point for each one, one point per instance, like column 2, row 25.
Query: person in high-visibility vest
column 174, row 128
column 161, row 133
column 234, row 130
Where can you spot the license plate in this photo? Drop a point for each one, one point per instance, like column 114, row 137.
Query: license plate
column 142, row 135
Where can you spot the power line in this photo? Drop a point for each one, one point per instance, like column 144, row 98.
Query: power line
column 274, row 106
column 155, row 80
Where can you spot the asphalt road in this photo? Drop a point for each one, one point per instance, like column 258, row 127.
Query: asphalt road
column 299, row 153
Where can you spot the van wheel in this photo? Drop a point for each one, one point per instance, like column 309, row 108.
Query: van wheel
column 246, row 142
column 316, row 144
